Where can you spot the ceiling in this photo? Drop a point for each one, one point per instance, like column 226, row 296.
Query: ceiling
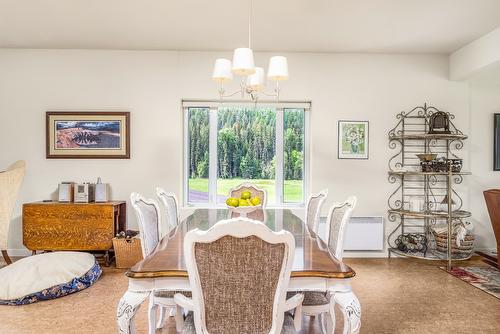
column 382, row 26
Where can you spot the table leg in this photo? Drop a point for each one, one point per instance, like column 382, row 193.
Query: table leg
column 127, row 308
column 351, row 310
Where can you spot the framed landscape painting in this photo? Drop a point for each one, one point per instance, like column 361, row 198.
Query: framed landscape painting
column 87, row 135
column 353, row 139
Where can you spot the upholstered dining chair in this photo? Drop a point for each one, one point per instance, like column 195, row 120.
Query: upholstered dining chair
column 149, row 221
column 239, row 272
column 10, row 183
column 317, row 302
column 170, row 208
column 313, row 209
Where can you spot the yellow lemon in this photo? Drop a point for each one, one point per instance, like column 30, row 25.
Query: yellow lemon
column 243, row 202
column 255, row 201
column 231, row 201
column 246, row 195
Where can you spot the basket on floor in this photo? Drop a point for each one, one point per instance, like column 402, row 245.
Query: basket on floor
column 465, row 249
column 127, row 251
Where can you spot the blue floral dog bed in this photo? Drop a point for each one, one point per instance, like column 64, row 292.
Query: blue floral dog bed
column 47, row 276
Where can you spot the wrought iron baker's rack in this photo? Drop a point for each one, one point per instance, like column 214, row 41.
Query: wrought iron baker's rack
column 409, row 137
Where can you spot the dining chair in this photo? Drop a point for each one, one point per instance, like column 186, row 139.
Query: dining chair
column 10, row 183
column 317, row 303
column 239, row 272
column 149, row 221
column 170, row 208
column 313, row 209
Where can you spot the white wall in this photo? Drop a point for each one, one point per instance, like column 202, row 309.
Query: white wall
column 151, row 84
column 484, row 102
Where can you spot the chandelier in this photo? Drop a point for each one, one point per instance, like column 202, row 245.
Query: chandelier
column 252, row 81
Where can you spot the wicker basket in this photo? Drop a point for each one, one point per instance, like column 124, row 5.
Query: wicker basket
column 127, row 252
column 466, row 247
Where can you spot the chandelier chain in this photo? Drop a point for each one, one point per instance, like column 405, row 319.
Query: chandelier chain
column 250, row 25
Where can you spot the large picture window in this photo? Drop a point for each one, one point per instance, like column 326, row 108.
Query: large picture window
column 228, row 144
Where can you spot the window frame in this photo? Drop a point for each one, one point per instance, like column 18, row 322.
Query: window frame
column 280, row 107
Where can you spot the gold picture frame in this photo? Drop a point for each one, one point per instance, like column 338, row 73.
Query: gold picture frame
column 87, row 135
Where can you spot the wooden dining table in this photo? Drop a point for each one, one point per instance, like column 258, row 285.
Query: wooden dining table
column 314, row 267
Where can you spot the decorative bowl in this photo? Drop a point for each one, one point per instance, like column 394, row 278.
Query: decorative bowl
column 426, row 156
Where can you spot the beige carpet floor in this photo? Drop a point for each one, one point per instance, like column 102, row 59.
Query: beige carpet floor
column 396, row 295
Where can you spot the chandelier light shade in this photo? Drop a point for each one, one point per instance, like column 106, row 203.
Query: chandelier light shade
column 256, row 80
column 222, row 70
column 252, row 78
column 278, row 68
column 243, row 63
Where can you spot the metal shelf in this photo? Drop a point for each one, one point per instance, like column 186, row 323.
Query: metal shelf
column 427, row 136
column 432, row 214
column 428, row 190
column 394, row 172
column 431, row 255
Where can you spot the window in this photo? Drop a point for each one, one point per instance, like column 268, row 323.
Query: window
column 228, row 144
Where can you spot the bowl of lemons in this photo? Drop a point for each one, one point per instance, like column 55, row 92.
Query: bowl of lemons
column 245, row 204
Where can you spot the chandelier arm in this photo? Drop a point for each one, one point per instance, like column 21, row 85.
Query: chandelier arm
column 223, row 95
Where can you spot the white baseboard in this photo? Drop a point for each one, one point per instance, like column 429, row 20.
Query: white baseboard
column 486, row 250
column 19, row 252
column 365, row 254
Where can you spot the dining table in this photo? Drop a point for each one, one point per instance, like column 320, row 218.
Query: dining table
column 314, row 267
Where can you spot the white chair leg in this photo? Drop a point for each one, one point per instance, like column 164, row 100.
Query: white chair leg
column 351, row 310
column 322, row 321
column 172, row 311
column 179, row 319
column 331, row 321
column 152, row 308
column 161, row 320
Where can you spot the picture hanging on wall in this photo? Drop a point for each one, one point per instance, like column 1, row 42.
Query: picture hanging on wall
column 353, row 140
column 87, row 135
column 496, row 142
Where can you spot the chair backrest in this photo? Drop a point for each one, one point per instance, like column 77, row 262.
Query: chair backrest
column 239, row 272
column 148, row 219
column 313, row 209
column 338, row 217
column 492, row 198
column 253, row 189
column 10, row 183
column 171, row 209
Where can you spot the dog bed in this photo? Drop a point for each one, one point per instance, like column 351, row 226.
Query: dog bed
column 47, row 276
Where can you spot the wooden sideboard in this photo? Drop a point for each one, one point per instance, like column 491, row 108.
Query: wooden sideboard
column 73, row 226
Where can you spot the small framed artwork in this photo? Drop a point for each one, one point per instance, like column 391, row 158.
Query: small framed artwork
column 496, row 142
column 87, row 135
column 353, row 140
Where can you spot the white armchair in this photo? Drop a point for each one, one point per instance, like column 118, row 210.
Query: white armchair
column 10, row 183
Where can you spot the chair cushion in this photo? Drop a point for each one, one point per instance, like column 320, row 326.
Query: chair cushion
column 312, row 298
column 288, row 327
column 47, row 276
column 170, row 294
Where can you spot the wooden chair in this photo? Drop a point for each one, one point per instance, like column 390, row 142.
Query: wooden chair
column 10, row 183
column 318, row 303
column 492, row 198
column 170, row 208
column 149, row 221
column 313, row 209
column 239, row 272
